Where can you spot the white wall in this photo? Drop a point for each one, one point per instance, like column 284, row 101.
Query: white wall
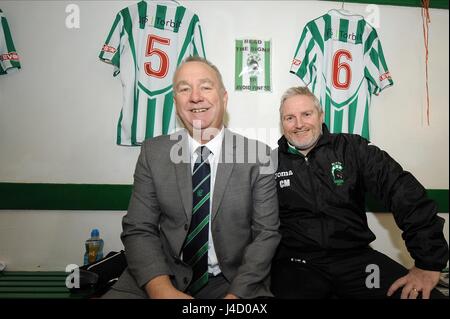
column 58, row 114
column 50, row 240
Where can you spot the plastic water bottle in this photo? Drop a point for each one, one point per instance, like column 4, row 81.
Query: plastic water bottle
column 94, row 248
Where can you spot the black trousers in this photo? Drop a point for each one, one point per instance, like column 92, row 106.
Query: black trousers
column 349, row 275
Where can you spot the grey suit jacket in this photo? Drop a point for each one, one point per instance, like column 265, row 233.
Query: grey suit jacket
column 244, row 216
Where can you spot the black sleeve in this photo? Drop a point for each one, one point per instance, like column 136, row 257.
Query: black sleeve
column 402, row 194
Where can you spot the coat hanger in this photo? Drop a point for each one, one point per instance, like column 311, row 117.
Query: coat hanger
column 174, row 1
column 343, row 11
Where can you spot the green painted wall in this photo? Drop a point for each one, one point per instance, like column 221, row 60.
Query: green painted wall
column 112, row 197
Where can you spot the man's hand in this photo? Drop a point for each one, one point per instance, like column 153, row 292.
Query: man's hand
column 161, row 287
column 415, row 282
column 230, row 296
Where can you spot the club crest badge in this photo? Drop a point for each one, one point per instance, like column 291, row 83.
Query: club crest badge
column 199, row 192
column 337, row 172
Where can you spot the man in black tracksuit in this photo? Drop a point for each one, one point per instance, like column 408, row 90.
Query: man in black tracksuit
column 322, row 179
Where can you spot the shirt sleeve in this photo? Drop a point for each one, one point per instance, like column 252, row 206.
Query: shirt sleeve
column 9, row 59
column 110, row 52
column 198, row 48
column 303, row 64
column 404, row 196
column 376, row 70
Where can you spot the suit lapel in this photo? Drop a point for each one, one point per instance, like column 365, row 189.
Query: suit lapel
column 184, row 182
column 184, row 176
column 223, row 171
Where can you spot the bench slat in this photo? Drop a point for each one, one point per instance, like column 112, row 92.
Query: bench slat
column 32, row 284
column 33, row 273
column 36, row 285
column 34, row 289
column 58, row 295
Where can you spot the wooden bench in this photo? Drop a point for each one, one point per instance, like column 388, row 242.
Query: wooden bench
column 35, row 284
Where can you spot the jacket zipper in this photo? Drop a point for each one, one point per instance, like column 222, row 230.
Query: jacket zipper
column 316, row 206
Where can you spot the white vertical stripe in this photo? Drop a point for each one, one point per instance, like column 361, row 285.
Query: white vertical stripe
column 157, row 128
column 173, row 121
column 332, row 110
column 127, row 105
column 352, row 27
column 141, row 125
column 359, row 116
column 344, row 111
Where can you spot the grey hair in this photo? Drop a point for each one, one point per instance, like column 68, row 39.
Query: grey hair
column 300, row 90
column 204, row 61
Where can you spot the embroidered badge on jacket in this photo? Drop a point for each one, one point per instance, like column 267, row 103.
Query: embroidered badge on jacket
column 337, row 172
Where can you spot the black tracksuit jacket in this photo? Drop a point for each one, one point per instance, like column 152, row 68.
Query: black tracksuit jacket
column 322, row 200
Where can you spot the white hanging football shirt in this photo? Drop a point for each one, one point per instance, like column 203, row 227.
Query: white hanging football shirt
column 340, row 58
column 147, row 41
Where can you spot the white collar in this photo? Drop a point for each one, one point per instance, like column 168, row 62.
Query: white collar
column 214, row 145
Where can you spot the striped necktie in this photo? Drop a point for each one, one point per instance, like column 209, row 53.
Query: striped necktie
column 195, row 251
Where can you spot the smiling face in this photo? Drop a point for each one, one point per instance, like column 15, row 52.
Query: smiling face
column 200, row 99
column 302, row 122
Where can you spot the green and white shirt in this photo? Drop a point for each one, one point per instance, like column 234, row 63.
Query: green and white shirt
column 147, row 41
column 340, row 58
column 9, row 59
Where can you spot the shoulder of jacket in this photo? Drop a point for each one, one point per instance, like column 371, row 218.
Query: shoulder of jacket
column 162, row 141
column 348, row 138
column 248, row 141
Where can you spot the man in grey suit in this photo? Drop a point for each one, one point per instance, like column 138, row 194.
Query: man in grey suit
column 240, row 227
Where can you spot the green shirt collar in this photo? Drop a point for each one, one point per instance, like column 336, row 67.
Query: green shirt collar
column 291, row 149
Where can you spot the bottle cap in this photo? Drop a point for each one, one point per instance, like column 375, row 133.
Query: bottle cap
column 95, row 233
